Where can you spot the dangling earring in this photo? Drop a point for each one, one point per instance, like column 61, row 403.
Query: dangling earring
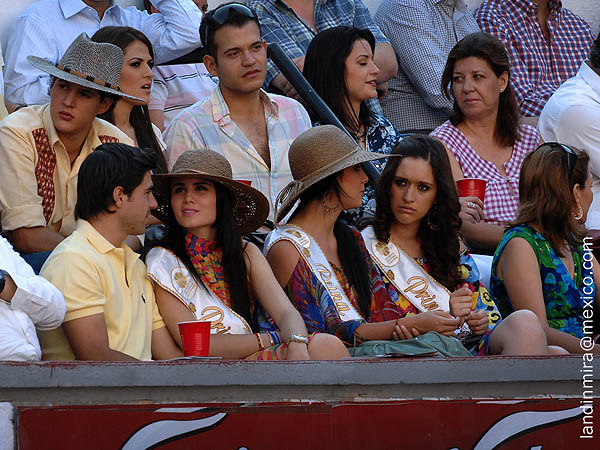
column 330, row 209
column 432, row 226
column 579, row 214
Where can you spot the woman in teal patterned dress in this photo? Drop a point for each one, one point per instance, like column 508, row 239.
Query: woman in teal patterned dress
column 541, row 263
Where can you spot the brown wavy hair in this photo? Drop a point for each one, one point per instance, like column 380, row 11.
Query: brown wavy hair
column 546, row 194
column 441, row 247
column 487, row 47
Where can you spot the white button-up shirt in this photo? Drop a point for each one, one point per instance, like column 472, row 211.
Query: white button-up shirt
column 572, row 117
column 48, row 27
column 36, row 303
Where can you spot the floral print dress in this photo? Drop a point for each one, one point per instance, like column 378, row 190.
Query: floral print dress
column 563, row 295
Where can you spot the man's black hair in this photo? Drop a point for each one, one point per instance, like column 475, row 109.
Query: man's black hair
column 103, row 94
column 595, row 53
column 109, row 166
column 208, row 27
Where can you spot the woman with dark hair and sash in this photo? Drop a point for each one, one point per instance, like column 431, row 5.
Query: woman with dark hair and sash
column 323, row 264
column 414, row 240
column 204, row 270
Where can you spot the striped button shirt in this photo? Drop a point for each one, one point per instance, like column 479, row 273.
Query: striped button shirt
column 208, row 124
column 501, row 193
column 538, row 67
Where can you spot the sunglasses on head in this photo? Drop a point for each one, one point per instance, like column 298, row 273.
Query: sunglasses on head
column 570, row 156
column 221, row 15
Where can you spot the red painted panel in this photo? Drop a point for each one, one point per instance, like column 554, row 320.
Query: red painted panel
column 375, row 425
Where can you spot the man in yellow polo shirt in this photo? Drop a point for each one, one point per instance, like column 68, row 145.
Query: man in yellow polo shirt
column 111, row 313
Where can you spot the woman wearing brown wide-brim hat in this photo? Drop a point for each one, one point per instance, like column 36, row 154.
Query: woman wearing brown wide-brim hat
column 321, row 262
column 203, row 270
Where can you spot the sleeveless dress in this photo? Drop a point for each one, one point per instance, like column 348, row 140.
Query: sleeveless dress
column 402, row 307
column 563, row 295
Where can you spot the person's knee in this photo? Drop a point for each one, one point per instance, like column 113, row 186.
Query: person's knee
column 525, row 322
column 326, row 346
column 556, row 350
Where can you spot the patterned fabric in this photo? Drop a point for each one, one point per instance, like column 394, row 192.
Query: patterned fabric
column 563, row 295
column 501, row 193
column 208, row 124
column 279, row 24
column 316, row 306
column 400, row 306
column 422, row 33
column 538, row 67
column 207, row 259
column 44, row 171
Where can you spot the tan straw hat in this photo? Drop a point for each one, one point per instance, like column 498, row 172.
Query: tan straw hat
column 250, row 207
column 94, row 65
column 314, row 155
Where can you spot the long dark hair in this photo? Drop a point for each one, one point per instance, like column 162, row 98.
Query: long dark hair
column 546, row 194
column 228, row 238
column 140, row 116
column 325, row 69
column 440, row 244
column 349, row 251
column 485, row 46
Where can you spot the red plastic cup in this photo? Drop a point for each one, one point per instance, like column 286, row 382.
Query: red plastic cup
column 246, row 182
column 195, row 337
column 471, row 187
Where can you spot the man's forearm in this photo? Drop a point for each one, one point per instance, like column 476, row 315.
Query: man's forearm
column 36, row 239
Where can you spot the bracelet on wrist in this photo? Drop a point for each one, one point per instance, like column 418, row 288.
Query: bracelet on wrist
column 274, row 337
column 260, row 344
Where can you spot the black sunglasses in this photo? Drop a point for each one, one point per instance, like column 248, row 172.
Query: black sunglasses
column 570, row 155
column 221, row 15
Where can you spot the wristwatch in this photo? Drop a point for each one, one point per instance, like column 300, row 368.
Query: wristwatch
column 3, row 274
column 298, row 338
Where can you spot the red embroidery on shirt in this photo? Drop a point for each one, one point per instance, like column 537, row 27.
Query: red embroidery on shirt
column 108, row 139
column 44, row 171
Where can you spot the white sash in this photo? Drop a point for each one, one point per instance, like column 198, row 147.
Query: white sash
column 420, row 288
column 313, row 255
column 165, row 269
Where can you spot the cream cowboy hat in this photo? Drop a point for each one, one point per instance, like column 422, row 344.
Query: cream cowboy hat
column 250, row 208
column 314, row 155
column 94, row 65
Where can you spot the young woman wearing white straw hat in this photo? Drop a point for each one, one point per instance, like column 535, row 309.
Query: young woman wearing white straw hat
column 203, row 270
column 323, row 263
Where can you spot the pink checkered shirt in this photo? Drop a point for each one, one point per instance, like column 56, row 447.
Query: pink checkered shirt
column 501, row 193
column 538, row 67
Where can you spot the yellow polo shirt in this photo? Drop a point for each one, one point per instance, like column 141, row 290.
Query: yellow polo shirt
column 39, row 184
column 96, row 277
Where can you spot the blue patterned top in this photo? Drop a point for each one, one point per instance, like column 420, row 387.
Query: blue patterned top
column 563, row 295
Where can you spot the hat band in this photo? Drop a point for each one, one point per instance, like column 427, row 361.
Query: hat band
column 87, row 77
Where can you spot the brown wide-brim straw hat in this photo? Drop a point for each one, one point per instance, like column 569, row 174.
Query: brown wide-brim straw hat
column 314, row 155
column 250, row 207
column 94, row 65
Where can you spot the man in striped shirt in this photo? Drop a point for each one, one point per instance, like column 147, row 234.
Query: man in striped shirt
column 251, row 128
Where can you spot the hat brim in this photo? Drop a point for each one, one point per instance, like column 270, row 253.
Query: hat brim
column 348, row 160
column 50, row 68
column 250, row 209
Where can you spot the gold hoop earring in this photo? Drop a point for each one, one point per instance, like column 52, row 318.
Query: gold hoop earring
column 579, row 214
column 330, row 209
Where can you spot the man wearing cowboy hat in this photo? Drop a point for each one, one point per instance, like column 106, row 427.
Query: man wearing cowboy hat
column 111, row 312
column 42, row 147
column 251, row 128
column 47, row 27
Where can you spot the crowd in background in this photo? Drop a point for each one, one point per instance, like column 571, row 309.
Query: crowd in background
column 157, row 167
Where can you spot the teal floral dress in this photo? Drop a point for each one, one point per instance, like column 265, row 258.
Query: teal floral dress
column 563, row 296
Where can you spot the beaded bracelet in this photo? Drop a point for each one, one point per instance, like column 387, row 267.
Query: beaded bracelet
column 274, row 337
column 260, row 344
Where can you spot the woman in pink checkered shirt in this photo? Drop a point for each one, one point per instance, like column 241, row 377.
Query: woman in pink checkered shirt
column 484, row 138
